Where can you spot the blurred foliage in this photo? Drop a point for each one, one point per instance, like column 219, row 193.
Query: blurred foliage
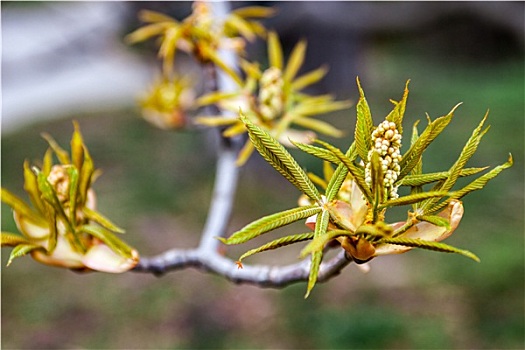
column 418, row 301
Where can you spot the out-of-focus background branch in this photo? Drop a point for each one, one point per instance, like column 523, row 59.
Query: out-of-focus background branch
column 67, row 60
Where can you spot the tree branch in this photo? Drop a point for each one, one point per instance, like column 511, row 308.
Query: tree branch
column 206, row 256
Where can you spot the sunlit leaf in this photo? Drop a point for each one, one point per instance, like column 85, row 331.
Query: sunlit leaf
column 275, row 53
column 109, row 239
column 280, row 242
column 280, row 159
column 271, row 222
column 398, row 112
column 436, row 246
column 309, row 78
column 18, row 205
column 12, row 240
column 102, row 220
column 320, row 229
column 413, row 156
column 295, row 61
column 21, row 250
column 364, row 125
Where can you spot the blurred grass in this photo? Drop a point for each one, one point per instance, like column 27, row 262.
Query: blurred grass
column 157, row 185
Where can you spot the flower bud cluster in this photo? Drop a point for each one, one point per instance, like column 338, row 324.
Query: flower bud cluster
column 59, row 179
column 387, row 143
column 271, row 93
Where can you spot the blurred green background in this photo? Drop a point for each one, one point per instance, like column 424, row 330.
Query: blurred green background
column 157, row 185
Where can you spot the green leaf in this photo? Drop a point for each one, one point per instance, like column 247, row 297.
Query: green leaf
column 320, row 242
column 319, row 126
column 31, row 188
column 19, row 206
column 321, row 227
column 241, row 26
column 436, row 246
column 468, row 151
column 12, row 239
column 149, row 16
column 77, row 147
column 21, row 250
column 336, row 181
column 280, row 242
column 398, row 112
column 102, row 220
column 110, row 239
column 275, row 154
column 414, row 198
column 73, row 174
column 168, row 48
column 269, row 223
column 413, row 156
column 318, row 152
column 214, row 97
column 364, row 125
column 435, row 220
column 295, row 61
column 86, row 175
column 275, row 52
column 308, row 108
column 424, row 179
column 222, row 65
column 477, row 184
column 357, row 172
column 62, row 155
column 309, row 78
column 47, row 162
column 254, row 11
column 216, row 121
column 377, row 183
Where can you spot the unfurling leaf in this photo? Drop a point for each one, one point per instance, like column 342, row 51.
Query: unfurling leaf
column 277, row 243
column 280, row 159
column 271, row 222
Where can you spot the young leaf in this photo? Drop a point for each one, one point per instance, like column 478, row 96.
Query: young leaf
column 321, row 227
column 295, row 61
column 277, row 243
column 102, row 220
column 109, row 239
column 477, row 184
column 436, row 246
column 415, row 198
column 21, row 207
column 413, row 156
column 275, row 53
column 319, row 126
column 309, row 78
column 77, row 147
column 275, row 154
column 319, row 242
column 468, row 151
column 424, row 179
column 12, row 240
column 364, row 125
column 62, row 155
column 21, row 250
column 357, row 172
column 398, row 112
column 317, row 152
column 269, row 223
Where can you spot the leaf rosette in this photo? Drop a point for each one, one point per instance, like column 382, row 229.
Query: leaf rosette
column 63, row 227
column 273, row 100
column 363, row 185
